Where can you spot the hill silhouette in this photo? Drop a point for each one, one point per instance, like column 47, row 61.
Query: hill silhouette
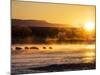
column 34, row 23
column 39, row 31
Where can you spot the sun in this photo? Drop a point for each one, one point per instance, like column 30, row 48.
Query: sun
column 89, row 26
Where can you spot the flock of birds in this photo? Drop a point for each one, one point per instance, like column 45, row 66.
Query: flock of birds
column 26, row 48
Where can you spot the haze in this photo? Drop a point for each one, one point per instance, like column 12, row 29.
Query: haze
column 73, row 15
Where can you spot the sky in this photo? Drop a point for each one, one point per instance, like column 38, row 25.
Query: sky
column 73, row 15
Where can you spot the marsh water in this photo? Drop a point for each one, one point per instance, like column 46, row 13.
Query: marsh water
column 45, row 55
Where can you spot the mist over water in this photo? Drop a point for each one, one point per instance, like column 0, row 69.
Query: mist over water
column 50, row 38
column 59, row 54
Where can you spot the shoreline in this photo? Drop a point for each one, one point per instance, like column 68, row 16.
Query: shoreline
column 59, row 68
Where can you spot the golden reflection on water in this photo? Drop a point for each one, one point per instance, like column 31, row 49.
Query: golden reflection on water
column 90, row 46
column 85, row 51
column 89, row 57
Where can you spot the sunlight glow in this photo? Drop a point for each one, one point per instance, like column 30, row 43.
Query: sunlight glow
column 89, row 26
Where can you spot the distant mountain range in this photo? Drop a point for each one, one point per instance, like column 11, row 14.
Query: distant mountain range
column 35, row 23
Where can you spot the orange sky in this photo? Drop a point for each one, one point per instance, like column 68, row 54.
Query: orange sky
column 54, row 13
